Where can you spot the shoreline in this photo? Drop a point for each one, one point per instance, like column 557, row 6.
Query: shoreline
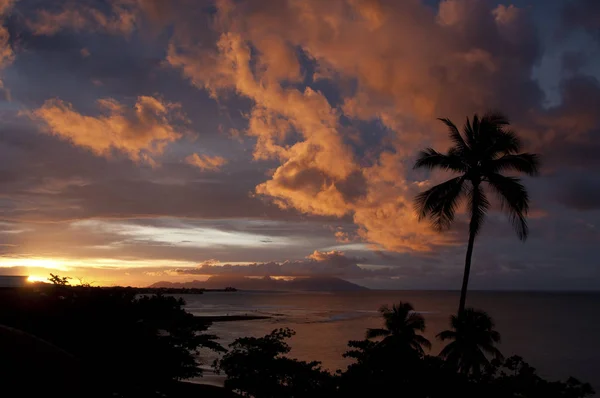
column 231, row 318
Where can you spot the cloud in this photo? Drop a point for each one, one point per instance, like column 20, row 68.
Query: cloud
column 579, row 193
column 206, row 162
column 7, row 54
column 332, row 263
column 140, row 132
column 415, row 64
column 582, row 14
column 567, row 134
column 120, row 18
column 334, row 99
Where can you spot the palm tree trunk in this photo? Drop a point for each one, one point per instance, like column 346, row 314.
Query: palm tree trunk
column 465, row 282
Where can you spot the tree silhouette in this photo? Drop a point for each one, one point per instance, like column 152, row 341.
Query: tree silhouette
column 259, row 367
column 402, row 325
column 473, row 336
column 485, row 149
column 135, row 345
column 59, row 280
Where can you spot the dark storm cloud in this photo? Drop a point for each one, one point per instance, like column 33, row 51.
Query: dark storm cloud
column 319, row 263
column 570, row 131
column 582, row 14
column 332, row 263
column 580, row 193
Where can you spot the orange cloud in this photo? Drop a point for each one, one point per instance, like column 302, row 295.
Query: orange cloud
column 407, row 73
column 206, row 162
column 7, row 55
column 140, row 132
column 77, row 16
column 402, row 63
column 342, row 237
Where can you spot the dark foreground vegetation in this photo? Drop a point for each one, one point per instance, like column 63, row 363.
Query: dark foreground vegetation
column 392, row 362
column 64, row 341
column 110, row 340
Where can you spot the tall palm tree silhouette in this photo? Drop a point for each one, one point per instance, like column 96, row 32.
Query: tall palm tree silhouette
column 402, row 325
column 473, row 336
column 485, row 149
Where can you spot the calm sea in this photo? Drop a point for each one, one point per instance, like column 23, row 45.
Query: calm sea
column 558, row 333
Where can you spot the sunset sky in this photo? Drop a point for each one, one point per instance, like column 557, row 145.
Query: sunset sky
column 147, row 140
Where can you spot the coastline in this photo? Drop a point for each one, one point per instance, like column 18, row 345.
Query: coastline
column 230, row 318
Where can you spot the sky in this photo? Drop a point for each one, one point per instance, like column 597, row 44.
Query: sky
column 149, row 140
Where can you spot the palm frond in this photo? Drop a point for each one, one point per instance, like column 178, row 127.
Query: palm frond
column 470, row 134
column 422, row 341
column 476, row 126
column 455, row 135
column 384, row 309
column 376, row 333
column 495, row 336
column 493, row 351
column 454, row 320
column 527, row 163
column 446, row 335
column 449, row 350
column 478, row 206
column 440, row 202
column 497, row 118
column 431, row 159
column 514, row 200
column 416, row 321
column 402, row 307
column 504, row 142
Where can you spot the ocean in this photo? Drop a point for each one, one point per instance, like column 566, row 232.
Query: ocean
column 557, row 333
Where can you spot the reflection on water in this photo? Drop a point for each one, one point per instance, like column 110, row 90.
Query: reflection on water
column 555, row 332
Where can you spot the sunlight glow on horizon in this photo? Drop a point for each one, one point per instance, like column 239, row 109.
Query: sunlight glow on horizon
column 33, row 262
column 69, row 264
column 35, row 278
column 97, row 271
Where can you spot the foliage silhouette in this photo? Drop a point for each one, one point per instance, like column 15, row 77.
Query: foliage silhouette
column 377, row 370
column 402, row 325
column 515, row 378
column 473, row 337
column 397, row 362
column 485, row 149
column 137, row 346
column 59, row 280
column 115, row 342
column 258, row 367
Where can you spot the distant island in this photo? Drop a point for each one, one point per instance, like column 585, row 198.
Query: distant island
column 265, row 283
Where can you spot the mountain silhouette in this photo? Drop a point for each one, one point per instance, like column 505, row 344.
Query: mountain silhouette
column 321, row 283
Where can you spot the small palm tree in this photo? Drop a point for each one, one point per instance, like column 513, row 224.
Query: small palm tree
column 485, row 149
column 473, row 336
column 402, row 325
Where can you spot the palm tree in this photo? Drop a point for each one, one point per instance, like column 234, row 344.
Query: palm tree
column 401, row 327
column 473, row 336
column 485, row 149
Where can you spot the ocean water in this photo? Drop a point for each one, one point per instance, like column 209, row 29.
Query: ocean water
column 558, row 333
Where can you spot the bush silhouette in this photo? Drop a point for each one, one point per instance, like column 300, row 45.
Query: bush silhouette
column 125, row 344
column 258, row 367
